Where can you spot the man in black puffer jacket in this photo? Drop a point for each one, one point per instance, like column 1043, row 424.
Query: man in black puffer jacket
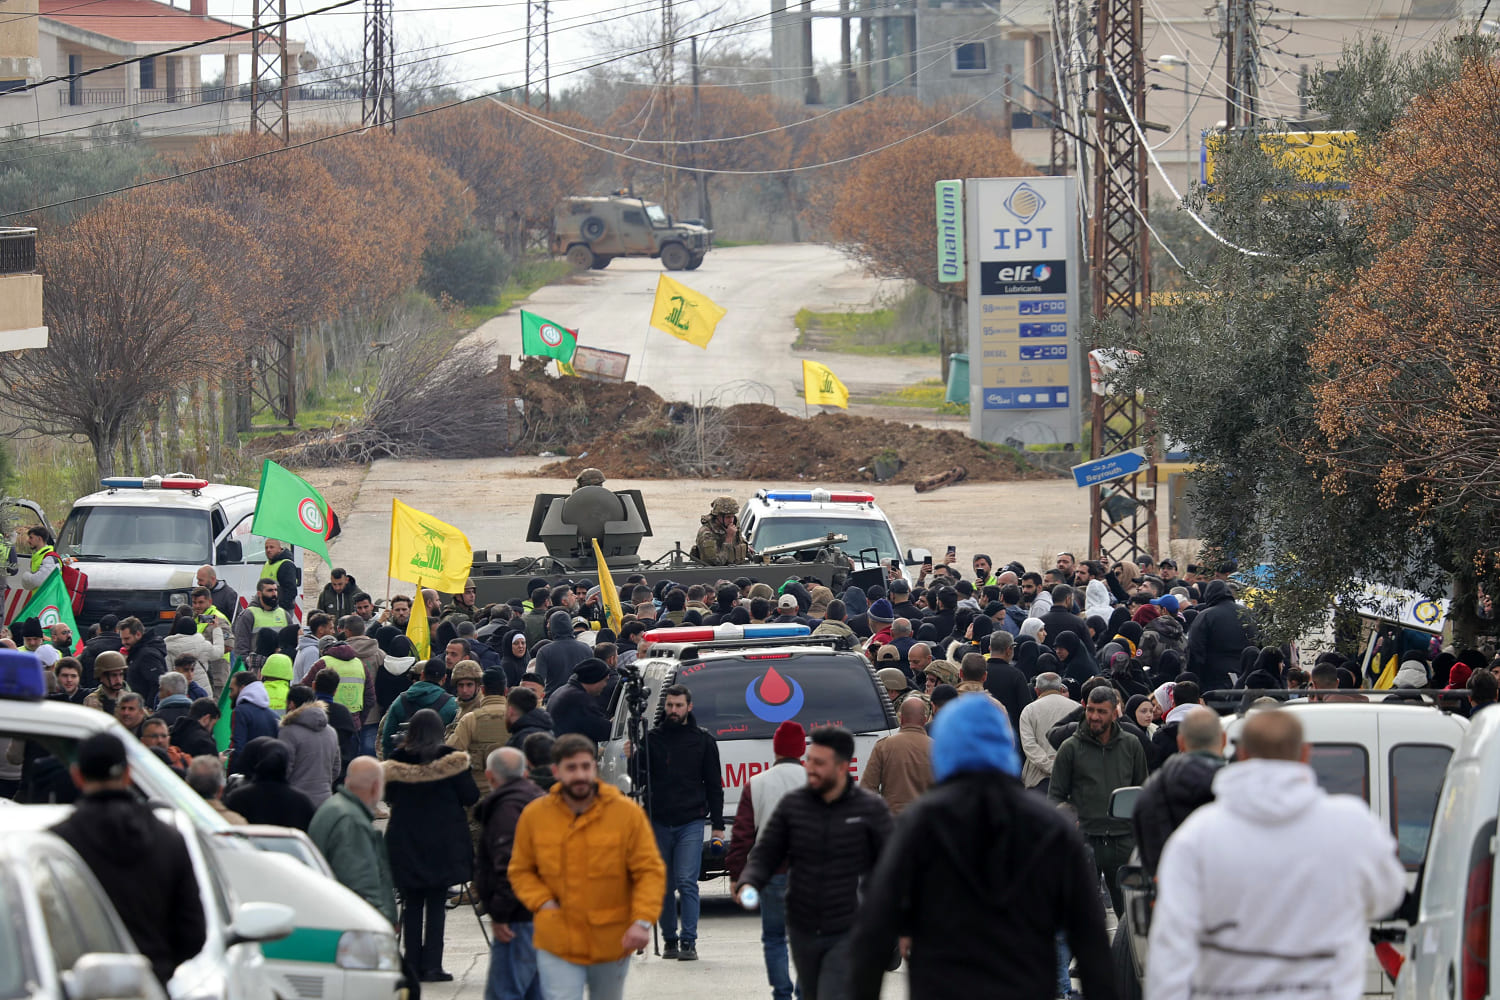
column 1184, row 783
column 141, row 863
column 831, row 832
column 680, row 764
column 1218, row 635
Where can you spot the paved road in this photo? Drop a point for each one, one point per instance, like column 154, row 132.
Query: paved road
column 490, row 500
column 730, row 965
column 762, row 287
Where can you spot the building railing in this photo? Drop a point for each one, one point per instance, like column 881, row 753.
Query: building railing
column 17, row 250
column 116, row 96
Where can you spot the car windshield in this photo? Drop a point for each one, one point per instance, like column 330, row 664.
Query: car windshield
column 137, row 534
column 15, row 964
column 770, row 531
column 657, row 216
column 746, row 699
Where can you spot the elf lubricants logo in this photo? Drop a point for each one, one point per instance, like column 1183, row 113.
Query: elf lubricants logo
column 1025, row 272
column 1028, row 278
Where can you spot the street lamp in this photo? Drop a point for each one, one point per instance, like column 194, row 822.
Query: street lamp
column 1167, row 62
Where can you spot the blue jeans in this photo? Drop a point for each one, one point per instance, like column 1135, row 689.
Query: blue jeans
column 367, row 737
column 1064, row 959
column 773, row 939
column 562, row 980
column 682, row 849
column 513, row 967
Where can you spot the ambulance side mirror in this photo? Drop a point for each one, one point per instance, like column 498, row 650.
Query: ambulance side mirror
column 230, row 551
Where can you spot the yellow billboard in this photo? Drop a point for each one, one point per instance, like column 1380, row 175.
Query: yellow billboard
column 1319, row 159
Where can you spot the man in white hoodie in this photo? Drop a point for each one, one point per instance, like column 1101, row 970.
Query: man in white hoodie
column 1227, row 925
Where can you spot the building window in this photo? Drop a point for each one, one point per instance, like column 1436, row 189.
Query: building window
column 148, row 74
column 970, row 57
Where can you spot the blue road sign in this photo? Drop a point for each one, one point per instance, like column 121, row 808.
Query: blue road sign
column 1102, row 470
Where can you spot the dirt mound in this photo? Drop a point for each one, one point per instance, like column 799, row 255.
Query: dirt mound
column 638, row 434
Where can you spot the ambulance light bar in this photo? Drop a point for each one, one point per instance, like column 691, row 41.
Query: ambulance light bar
column 153, row 483
column 816, row 496
column 694, row 633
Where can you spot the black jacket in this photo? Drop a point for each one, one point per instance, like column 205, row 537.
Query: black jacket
column 102, row 643
column 684, row 779
column 1183, row 784
column 192, row 739
column 338, row 602
column 831, row 848
column 1007, row 685
column 343, row 723
column 144, row 867
column 428, row 833
column 535, row 721
column 1057, row 621
column 1219, row 634
column 225, row 599
column 271, row 801
column 996, row 857
column 574, row 710
column 556, row 661
column 144, row 664
column 1058, row 734
column 498, row 813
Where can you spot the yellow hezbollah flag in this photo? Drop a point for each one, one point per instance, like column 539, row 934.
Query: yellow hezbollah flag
column 565, row 368
column 609, row 595
column 417, row 629
column 1387, row 678
column 426, row 551
column 821, row 387
column 684, row 313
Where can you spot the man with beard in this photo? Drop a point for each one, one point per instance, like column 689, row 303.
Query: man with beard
column 589, row 917
column 1090, row 765
column 680, row 764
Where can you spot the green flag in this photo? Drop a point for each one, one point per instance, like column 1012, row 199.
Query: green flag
column 50, row 604
column 544, row 338
column 291, row 511
column 226, row 705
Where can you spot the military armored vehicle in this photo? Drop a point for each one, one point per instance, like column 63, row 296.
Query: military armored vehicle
column 566, row 524
column 592, row 231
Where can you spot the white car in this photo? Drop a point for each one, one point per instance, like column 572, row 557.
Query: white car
column 230, row 966
column 745, row 681
column 1448, row 951
column 779, row 517
column 60, row 938
column 340, row 947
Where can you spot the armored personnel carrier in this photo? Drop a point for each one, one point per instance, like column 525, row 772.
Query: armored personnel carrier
column 566, row 525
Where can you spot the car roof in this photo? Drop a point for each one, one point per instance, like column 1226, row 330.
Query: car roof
column 22, row 838
column 1482, row 741
column 705, row 652
column 1325, row 720
column 204, row 499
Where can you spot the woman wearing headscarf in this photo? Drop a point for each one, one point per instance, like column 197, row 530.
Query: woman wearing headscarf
column 267, row 797
column 1097, row 624
column 1140, row 710
column 428, row 786
column 1119, row 616
column 1167, row 667
column 1028, row 652
column 514, row 656
column 1267, row 670
column 1248, row 658
column 856, row 605
column 1077, row 659
column 1146, row 614
column 1126, row 674
column 976, row 639
column 1132, row 632
column 1096, row 599
column 1033, row 629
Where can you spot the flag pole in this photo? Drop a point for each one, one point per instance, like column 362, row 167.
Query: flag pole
column 640, row 369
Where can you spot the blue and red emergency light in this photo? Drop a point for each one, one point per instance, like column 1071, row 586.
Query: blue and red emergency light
column 152, row 483
column 709, row 633
column 816, row 496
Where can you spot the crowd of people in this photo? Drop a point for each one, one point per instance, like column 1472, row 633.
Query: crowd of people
column 1023, row 700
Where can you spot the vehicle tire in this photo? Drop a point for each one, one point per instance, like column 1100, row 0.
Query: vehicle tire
column 675, row 257
column 600, row 263
column 581, row 257
column 1127, row 985
column 695, row 262
column 593, row 228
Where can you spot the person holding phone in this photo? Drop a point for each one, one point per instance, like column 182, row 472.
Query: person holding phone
column 718, row 542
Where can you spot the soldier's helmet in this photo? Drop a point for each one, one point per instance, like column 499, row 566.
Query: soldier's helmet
column 467, row 670
column 590, row 477
column 724, row 505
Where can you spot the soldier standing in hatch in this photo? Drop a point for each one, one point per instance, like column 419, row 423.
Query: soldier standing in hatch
column 588, row 477
column 718, row 542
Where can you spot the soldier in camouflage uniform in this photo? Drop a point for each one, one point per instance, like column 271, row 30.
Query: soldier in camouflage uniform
column 718, row 542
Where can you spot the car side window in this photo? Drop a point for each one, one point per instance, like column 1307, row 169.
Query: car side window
column 253, row 546
column 1417, row 772
column 634, row 217
column 62, row 934
column 91, row 918
column 1342, row 768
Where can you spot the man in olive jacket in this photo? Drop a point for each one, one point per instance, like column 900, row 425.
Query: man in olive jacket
column 1090, row 765
column 344, row 830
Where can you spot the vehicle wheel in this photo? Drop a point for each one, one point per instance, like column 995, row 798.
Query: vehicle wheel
column 600, row 263
column 581, row 257
column 593, row 228
column 674, row 257
column 1127, row 985
column 694, row 264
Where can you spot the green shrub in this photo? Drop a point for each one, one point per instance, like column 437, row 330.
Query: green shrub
column 471, row 272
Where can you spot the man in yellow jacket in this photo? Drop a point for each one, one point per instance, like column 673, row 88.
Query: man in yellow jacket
column 585, row 862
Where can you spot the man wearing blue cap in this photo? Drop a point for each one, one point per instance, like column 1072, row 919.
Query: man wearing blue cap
column 1003, row 874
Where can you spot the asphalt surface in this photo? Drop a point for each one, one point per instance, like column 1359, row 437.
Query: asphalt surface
column 750, row 358
column 730, row 963
column 490, row 501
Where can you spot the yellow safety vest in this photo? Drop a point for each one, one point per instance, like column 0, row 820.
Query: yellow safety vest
column 40, row 554
column 217, row 614
column 268, row 572
column 351, row 691
column 261, row 618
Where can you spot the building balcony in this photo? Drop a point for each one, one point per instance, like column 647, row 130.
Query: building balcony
column 118, row 96
column 17, row 250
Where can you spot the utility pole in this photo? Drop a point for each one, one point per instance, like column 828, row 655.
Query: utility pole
column 1241, row 64
column 539, row 52
column 704, row 208
column 269, row 65
column 668, row 57
column 1122, row 513
column 377, row 88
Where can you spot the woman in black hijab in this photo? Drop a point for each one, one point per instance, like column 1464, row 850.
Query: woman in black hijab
column 1077, row 658
column 514, row 656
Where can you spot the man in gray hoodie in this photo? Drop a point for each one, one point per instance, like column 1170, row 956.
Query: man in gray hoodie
column 312, row 743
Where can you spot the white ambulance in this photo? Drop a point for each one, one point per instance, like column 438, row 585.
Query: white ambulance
column 747, row 680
